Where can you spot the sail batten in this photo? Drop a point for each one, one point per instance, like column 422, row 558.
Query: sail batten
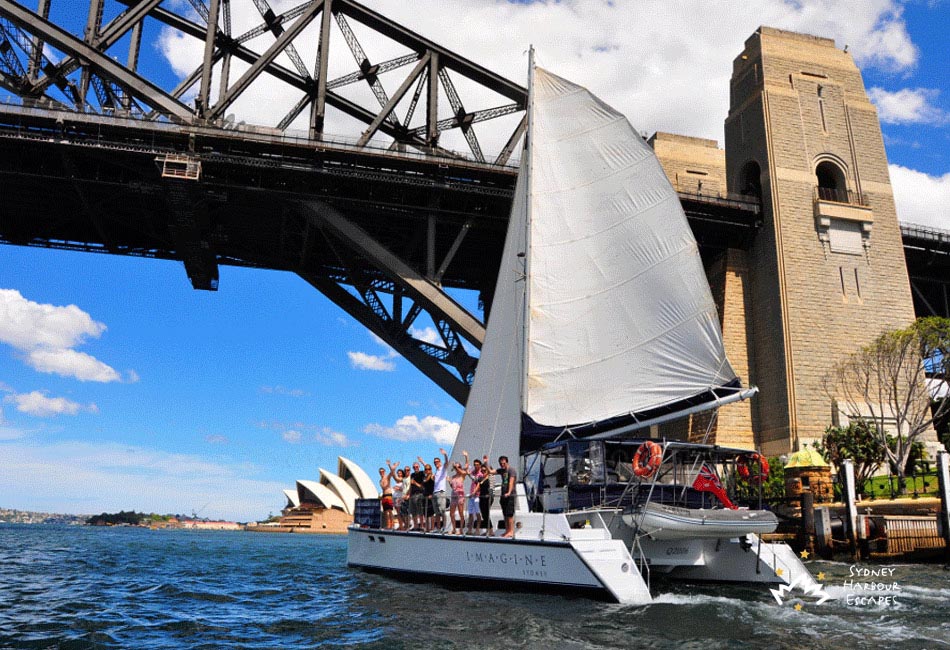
column 602, row 311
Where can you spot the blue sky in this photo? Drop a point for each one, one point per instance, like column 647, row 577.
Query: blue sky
column 121, row 387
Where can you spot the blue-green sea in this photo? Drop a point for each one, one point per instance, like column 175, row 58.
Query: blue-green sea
column 83, row 588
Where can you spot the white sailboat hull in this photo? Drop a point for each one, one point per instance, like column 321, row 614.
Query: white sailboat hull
column 587, row 562
column 663, row 522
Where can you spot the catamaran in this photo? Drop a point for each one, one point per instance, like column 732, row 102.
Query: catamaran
column 602, row 329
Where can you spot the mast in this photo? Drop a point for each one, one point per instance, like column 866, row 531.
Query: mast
column 528, row 153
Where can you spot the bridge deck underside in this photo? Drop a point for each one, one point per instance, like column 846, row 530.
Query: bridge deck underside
column 75, row 186
column 94, row 184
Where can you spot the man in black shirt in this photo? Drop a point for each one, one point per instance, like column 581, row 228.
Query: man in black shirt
column 417, row 497
column 509, row 478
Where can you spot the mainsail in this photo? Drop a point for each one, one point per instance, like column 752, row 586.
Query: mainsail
column 602, row 315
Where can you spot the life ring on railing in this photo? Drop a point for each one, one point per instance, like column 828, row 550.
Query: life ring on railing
column 647, row 460
column 753, row 467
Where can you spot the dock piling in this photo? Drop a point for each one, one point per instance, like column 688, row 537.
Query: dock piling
column 943, row 478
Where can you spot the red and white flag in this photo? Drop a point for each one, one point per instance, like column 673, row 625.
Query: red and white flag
column 707, row 481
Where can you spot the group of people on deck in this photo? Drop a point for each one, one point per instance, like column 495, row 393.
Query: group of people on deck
column 427, row 499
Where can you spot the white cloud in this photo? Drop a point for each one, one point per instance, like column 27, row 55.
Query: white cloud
column 410, row 427
column 83, row 477
column 26, row 325
column 292, row 436
column 330, row 438
column 39, row 405
column 661, row 62
column 70, row 363
column 427, row 334
column 281, row 390
column 908, row 106
column 45, row 334
column 921, row 198
column 364, row 361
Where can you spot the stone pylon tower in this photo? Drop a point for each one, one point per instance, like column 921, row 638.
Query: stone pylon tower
column 828, row 272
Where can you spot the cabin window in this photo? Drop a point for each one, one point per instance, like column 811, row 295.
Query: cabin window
column 586, row 462
column 554, row 468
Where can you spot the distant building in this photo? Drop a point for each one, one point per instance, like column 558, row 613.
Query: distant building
column 324, row 506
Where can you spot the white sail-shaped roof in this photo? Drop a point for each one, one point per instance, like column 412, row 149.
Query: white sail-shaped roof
column 620, row 319
column 293, row 499
column 314, row 491
column 347, row 494
column 356, row 478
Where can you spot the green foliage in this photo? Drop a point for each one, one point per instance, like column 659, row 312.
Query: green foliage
column 886, row 385
column 772, row 490
column 918, row 454
column 858, row 442
column 130, row 518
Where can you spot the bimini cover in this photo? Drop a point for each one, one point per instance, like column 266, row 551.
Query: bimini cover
column 617, row 313
column 357, row 479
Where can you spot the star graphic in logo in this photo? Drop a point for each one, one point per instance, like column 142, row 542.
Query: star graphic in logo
column 821, row 576
column 814, row 590
column 804, row 554
column 779, row 572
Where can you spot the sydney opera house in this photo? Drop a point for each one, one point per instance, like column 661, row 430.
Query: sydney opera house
column 327, row 505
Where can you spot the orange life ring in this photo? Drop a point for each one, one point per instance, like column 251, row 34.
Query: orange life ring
column 647, row 460
column 753, row 467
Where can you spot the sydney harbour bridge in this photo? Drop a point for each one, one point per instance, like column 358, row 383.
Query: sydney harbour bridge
column 96, row 156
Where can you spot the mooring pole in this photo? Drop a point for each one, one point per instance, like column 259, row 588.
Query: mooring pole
column 808, row 520
column 823, row 533
column 851, row 505
column 943, row 478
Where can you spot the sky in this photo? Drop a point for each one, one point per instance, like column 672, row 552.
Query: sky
column 122, row 388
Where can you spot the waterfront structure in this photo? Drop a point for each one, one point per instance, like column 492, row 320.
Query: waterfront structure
column 825, row 271
column 327, row 505
column 196, row 187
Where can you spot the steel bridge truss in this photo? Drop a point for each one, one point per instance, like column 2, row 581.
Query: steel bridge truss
column 390, row 304
column 423, row 101
column 414, row 99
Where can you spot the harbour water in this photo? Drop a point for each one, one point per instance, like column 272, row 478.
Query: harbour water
column 84, row 588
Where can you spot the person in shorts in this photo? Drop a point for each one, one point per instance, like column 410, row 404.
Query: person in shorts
column 428, row 485
column 509, row 478
column 439, row 491
column 457, row 488
column 486, row 496
column 417, row 503
column 385, row 484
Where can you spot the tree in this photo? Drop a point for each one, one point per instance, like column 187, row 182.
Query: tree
column 887, row 385
column 858, row 442
column 772, row 489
